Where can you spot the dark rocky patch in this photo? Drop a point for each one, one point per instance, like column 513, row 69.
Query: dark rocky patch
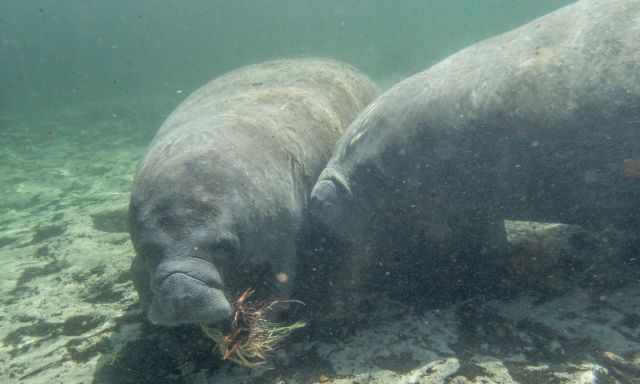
column 6, row 240
column 521, row 374
column 118, row 240
column 81, row 355
column 44, row 330
column 42, row 252
column 107, row 288
column 315, row 368
column 46, row 232
column 111, row 221
column 103, row 291
column 18, row 294
column 81, row 276
column 77, row 325
column 24, row 318
column 470, row 370
column 548, row 344
column 480, row 327
column 400, row 363
column 39, row 328
column 31, row 273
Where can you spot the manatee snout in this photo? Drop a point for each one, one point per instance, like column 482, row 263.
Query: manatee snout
column 324, row 205
column 188, row 291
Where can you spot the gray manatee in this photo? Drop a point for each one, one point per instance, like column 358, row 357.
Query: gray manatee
column 218, row 200
column 532, row 124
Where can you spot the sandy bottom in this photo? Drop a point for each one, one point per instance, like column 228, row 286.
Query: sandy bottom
column 69, row 312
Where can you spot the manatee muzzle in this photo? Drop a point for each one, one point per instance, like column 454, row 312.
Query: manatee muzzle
column 328, row 199
column 187, row 291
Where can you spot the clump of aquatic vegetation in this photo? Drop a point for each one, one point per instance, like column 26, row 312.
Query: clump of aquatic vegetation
column 252, row 335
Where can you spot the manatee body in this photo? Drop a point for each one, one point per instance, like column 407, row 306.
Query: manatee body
column 218, row 200
column 532, row 124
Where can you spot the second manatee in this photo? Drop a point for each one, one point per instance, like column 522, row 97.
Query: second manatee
column 533, row 124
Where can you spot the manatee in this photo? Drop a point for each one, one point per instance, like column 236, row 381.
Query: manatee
column 218, row 201
column 532, row 124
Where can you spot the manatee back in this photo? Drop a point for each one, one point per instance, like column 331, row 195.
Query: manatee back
column 262, row 115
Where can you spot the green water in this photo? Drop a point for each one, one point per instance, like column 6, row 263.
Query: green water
column 59, row 53
column 83, row 87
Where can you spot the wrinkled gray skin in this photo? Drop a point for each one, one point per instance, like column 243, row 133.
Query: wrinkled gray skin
column 532, row 124
column 218, row 201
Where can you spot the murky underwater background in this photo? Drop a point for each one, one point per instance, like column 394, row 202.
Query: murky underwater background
column 85, row 84
column 57, row 54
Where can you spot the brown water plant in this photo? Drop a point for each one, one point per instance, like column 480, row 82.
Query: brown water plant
column 252, row 336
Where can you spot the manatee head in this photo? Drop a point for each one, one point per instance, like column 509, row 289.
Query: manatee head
column 184, row 218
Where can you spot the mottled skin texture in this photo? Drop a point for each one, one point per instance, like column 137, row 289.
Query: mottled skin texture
column 218, row 201
column 533, row 124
